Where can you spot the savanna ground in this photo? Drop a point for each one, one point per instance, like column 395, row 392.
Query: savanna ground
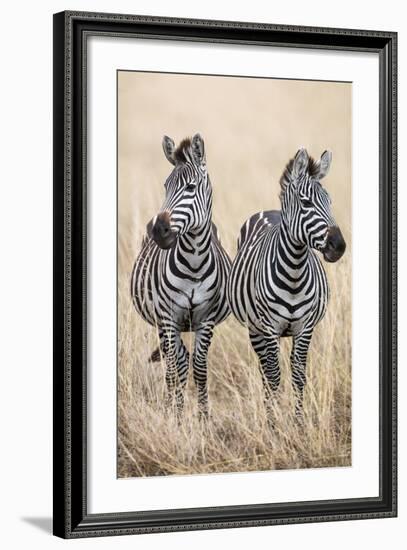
column 245, row 157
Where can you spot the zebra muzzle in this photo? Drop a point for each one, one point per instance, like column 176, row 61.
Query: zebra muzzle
column 335, row 245
column 159, row 229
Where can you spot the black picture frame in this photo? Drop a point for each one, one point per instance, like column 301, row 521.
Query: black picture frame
column 71, row 518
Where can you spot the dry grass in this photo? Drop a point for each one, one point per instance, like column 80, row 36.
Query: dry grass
column 237, row 436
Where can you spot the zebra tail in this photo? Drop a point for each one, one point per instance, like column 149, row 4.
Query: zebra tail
column 155, row 357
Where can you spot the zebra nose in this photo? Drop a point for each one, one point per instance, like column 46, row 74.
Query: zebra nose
column 161, row 231
column 161, row 228
column 335, row 245
column 336, row 240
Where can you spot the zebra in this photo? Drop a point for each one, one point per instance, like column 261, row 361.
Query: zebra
column 278, row 286
column 179, row 279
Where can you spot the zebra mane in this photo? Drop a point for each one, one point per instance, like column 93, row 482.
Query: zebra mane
column 286, row 178
column 181, row 152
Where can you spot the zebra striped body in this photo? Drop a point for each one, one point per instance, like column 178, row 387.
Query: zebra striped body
column 179, row 279
column 278, row 286
column 282, row 289
column 181, row 289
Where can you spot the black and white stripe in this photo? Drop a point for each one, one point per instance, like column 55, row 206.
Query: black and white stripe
column 278, row 286
column 179, row 279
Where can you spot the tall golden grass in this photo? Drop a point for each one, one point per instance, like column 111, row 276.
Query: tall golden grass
column 237, row 436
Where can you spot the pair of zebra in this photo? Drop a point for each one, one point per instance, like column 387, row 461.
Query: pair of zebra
column 183, row 280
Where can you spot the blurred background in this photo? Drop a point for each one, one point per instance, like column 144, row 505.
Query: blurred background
column 251, row 128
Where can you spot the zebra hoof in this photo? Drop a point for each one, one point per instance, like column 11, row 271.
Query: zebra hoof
column 174, row 408
column 203, row 416
column 299, row 418
column 270, row 419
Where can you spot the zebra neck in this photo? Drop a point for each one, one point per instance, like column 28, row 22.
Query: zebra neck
column 195, row 247
column 292, row 256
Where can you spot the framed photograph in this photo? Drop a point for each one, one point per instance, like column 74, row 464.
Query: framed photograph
column 224, row 274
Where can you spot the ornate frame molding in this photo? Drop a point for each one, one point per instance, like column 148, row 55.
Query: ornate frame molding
column 71, row 30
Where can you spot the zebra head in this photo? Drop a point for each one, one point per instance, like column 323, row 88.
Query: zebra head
column 306, row 205
column 187, row 207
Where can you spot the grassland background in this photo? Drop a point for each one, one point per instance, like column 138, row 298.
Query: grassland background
column 251, row 128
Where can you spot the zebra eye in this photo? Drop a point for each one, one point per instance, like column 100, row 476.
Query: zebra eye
column 307, row 203
column 190, row 187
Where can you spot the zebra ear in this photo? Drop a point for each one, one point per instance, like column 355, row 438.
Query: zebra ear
column 169, row 148
column 324, row 164
column 198, row 149
column 301, row 162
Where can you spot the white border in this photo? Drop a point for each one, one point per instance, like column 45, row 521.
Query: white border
column 105, row 492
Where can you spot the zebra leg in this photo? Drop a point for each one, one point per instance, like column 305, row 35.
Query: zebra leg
column 267, row 349
column 177, row 362
column 203, row 337
column 299, row 353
